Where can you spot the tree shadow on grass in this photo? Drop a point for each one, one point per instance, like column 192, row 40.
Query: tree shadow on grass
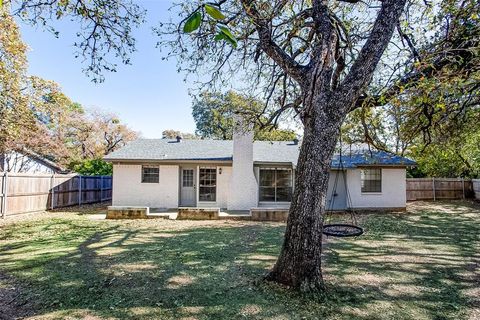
column 120, row 272
column 406, row 266
column 426, row 261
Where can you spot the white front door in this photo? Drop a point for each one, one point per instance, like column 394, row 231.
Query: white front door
column 187, row 187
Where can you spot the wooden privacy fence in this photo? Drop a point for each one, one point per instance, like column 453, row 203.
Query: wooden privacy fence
column 23, row 192
column 438, row 188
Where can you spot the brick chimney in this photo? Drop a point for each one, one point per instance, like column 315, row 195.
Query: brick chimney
column 243, row 186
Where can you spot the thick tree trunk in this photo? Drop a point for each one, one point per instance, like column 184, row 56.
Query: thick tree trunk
column 299, row 263
column 327, row 97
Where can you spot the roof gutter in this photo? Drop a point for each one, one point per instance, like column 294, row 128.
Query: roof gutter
column 168, row 160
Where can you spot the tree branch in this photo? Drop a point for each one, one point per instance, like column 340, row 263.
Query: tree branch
column 264, row 30
column 364, row 66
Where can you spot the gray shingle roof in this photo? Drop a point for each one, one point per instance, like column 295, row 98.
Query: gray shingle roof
column 222, row 150
column 167, row 149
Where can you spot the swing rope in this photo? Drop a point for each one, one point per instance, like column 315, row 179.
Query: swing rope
column 343, row 229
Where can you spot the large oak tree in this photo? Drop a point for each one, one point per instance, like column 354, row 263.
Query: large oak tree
column 302, row 48
column 320, row 60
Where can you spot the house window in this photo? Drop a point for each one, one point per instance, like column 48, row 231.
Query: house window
column 275, row 184
column 150, row 174
column 207, row 184
column 371, row 180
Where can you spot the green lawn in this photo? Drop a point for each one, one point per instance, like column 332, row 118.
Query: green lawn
column 423, row 264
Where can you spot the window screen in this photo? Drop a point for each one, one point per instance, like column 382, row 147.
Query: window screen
column 371, row 180
column 207, row 184
column 150, row 174
column 275, row 185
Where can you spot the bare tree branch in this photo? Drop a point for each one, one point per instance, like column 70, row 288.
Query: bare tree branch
column 264, row 30
column 362, row 69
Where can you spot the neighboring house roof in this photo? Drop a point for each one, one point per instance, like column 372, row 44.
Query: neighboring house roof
column 41, row 159
column 222, row 150
column 24, row 157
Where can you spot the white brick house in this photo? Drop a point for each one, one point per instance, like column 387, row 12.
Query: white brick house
column 242, row 174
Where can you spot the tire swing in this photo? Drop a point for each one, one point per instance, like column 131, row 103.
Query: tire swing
column 347, row 227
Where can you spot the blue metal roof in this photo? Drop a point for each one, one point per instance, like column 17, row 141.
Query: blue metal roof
column 369, row 158
column 222, row 150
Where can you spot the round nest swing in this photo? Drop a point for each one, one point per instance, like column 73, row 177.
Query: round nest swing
column 342, row 229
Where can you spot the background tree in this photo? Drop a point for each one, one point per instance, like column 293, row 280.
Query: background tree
column 36, row 117
column 105, row 28
column 94, row 167
column 15, row 115
column 434, row 119
column 448, row 148
column 99, row 133
column 214, row 117
column 93, row 135
column 172, row 134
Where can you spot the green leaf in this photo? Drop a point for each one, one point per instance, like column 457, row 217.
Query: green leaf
column 219, row 36
column 214, row 12
column 228, row 36
column 232, row 42
column 226, row 32
column 1, row 4
column 193, row 22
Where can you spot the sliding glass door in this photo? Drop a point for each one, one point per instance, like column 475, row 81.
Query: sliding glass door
column 275, row 185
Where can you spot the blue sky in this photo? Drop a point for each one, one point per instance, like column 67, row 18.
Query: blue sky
column 149, row 95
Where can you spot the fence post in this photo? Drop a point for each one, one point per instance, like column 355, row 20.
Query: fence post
column 4, row 198
column 110, row 179
column 433, row 185
column 101, row 188
column 463, row 188
column 3, row 195
column 52, row 192
column 79, row 190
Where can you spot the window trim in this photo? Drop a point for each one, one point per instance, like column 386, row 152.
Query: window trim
column 274, row 169
column 151, row 167
column 362, row 180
